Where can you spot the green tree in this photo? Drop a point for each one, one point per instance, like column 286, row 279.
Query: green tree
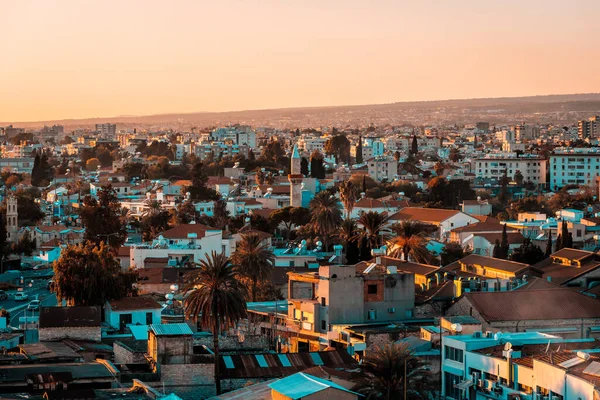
column 503, row 196
column 254, row 260
column 359, row 155
column 414, row 147
column 92, row 164
column 317, row 168
column 348, row 195
column 155, row 219
column 326, row 215
column 527, row 253
column 216, row 299
column 89, row 275
column 338, row 146
column 502, row 247
column 394, row 372
column 347, row 233
column 373, row 224
column 25, row 246
column 185, row 213
column 304, row 166
column 409, row 241
column 548, row 251
column 199, row 191
column 519, row 178
column 103, row 218
column 290, row 217
column 452, row 252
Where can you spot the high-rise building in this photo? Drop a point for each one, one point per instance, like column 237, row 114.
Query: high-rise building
column 106, row 129
column 574, row 167
column 526, row 132
column 589, row 128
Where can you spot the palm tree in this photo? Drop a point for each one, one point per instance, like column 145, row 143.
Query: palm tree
column 347, row 233
column 393, row 372
column 254, row 260
column 326, row 215
column 152, row 207
column 348, row 196
column 410, row 242
column 216, row 298
column 373, row 224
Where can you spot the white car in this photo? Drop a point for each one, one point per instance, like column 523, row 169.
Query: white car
column 34, row 305
column 20, row 296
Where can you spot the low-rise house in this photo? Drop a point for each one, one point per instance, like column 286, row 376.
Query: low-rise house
column 559, row 311
column 118, row 314
column 75, row 323
column 444, row 220
column 571, row 267
column 484, row 243
column 476, row 207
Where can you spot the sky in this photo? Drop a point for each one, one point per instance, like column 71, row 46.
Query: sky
column 87, row 58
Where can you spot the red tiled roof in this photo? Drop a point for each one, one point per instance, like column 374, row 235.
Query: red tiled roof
column 134, row 303
column 406, row 266
column 182, row 231
column 493, row 263
column 540, row 304
column 369, row 203
column 429, row 215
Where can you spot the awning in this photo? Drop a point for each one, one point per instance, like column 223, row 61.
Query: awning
column 464, row 385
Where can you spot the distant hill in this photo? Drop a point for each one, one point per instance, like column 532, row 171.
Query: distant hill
column 553, row 108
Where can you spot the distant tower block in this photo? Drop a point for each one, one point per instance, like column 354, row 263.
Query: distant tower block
column 295, row 178
column 12, row 220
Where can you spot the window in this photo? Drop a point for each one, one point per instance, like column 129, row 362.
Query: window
column 149, row 318
column 323, row 325
column 372, row 315
column 372, row 289
column 453, row 354
column 323, row 302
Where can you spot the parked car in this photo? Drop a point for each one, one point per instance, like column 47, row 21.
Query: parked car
column 3, row 295
column 20, row 296
column 34, row 305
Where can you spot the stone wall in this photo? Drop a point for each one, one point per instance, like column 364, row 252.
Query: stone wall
column 232, row 343
column 92, row 334
column 187, row 374
column 124, row 355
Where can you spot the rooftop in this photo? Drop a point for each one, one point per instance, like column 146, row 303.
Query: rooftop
column 134, row 303
column 63, row 317
column 300, row 385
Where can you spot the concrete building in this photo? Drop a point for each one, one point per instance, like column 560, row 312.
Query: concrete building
column 239, row 135
column 494, row 166
column 118, row 314
column 589, row 128
column 525, row 365
column 444, row 220
column 106, row 129
column 568, row 166
column 382, row 168
column 321, row 307
column 17, row 165
column 526, row 132
column 12, row 220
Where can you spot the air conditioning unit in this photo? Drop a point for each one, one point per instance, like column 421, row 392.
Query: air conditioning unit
column 392, row 310
column 477, row 334
column 489, row 334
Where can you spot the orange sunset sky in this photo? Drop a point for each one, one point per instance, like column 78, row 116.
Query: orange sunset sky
column 83, row 58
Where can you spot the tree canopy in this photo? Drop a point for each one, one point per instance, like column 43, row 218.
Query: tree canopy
column 103, row 218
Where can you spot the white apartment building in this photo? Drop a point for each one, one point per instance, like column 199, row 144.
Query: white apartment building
column 240, row 135
column 308, row 144
column 180, row 245
column 383, row 167
column 371, row 147
column 493, row 166
column 574, row 167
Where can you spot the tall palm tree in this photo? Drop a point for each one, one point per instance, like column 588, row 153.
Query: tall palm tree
column 216, row 298
column 348, row 196
column 410, row 242
column 393, row 372
column 254, row 260
column 326, row 215
column 152, row 207
column 373, row 224
column 347, row 234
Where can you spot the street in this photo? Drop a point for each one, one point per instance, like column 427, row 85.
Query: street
column 17, row 308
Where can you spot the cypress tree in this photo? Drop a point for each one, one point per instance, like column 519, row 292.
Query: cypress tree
column 359, row 157
column 548, row 245
column 415, row 146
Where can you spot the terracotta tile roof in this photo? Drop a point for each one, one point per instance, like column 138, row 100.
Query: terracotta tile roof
column 50, row 244
column 571, row 254
column 537, row 304
column 134, row 303
column 182, row 231
column 51, row 228
column 277, row 189
column 182, row 182
column 484, row 226
column 561, row 273
column 263, row 212
column 512, row 237
column 429, row 215
column 493, row 263
column 406, row 266
column 369, row 203
column 245, row 230
column 219, row 180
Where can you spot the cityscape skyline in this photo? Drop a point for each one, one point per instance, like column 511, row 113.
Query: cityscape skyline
column 270, row 55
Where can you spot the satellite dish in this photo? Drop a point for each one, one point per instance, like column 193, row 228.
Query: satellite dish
column 456, row 327
column 507, row 346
